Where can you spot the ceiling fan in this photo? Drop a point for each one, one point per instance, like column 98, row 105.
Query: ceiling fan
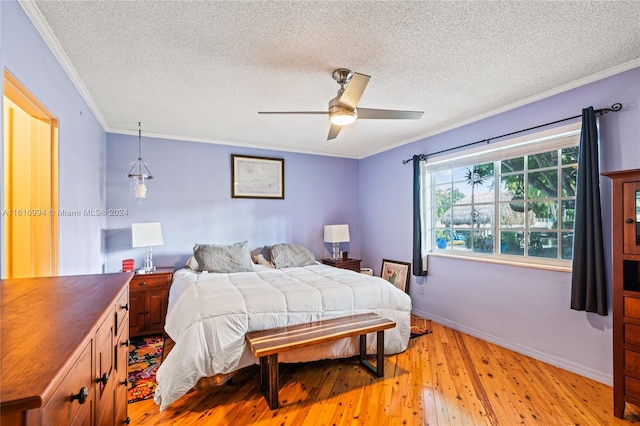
column 343, row 108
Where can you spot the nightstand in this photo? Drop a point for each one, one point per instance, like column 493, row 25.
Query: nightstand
column 148, row 300
column 353, row 264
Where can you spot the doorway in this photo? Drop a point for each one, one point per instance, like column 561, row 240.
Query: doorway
column 30, row 192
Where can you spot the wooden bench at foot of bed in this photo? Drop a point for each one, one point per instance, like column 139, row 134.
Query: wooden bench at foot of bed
column 267, row 344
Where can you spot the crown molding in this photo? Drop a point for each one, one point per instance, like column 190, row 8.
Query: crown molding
column 43, row 28
column 635, row 63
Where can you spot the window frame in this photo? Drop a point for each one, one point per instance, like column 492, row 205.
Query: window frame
column 561, row 137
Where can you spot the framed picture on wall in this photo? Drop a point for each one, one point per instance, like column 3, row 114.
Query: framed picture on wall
column 257, row 177
column 397, row 273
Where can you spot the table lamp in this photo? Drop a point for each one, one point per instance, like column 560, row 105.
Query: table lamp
column 146, row 235
column 336, row 234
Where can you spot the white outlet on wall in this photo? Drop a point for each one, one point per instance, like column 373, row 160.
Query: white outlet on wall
column 421, row 289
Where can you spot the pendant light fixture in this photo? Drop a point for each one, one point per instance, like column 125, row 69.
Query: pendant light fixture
column 139, row 174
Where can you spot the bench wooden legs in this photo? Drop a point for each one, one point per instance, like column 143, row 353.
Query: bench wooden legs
column 378, row 369
column 269, row 377
column 269, row 380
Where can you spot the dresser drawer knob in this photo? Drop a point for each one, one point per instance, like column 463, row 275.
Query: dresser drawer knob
column 126, row 421
column 125, row 383
column 126, row 342
column 628, row 220
column 125, row 306
column 104, row 379
column 81, row 396
column 143, row 284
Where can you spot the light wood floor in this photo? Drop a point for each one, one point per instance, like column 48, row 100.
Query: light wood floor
column 443, row 378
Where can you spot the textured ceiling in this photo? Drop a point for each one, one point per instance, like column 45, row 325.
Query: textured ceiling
column 202, row 70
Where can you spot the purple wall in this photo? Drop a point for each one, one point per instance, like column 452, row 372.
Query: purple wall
column 191, row 198
column 521, row 308
column 81, row 139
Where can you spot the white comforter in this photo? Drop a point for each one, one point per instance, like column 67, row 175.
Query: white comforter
column 209, row 315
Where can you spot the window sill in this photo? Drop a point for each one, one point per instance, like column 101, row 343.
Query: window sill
column 502, row 261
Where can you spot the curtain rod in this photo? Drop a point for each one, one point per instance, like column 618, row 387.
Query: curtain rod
column 615, row 107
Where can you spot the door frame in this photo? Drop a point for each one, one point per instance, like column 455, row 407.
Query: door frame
column 21, row 96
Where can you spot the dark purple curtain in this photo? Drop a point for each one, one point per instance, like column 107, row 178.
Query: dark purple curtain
column 417, row 217
column 588, row 280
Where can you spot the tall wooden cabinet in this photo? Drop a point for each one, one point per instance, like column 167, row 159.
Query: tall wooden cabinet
column 626, row 288
column 65, row 343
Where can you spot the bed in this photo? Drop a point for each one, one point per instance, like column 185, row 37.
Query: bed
column 209, row 314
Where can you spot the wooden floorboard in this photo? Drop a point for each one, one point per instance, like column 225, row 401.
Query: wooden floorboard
column 443, row 378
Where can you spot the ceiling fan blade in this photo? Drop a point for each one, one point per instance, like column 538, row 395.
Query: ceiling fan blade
column 293, row 112
column 368, row 113
column 352, row 93
column 333, row 131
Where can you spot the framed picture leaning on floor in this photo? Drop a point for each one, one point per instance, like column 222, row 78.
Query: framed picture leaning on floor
column 397, row 273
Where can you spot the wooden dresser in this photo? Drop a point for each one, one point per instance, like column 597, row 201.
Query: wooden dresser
column 626, row 288
column 65, row 347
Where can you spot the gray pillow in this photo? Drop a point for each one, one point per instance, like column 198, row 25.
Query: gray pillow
column 223, row 258
column 192, row 264
column 266, row 253
column 288, row 255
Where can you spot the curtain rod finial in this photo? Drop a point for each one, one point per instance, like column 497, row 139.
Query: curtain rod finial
column 615, row 107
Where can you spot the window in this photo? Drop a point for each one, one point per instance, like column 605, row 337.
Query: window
column 510, row 201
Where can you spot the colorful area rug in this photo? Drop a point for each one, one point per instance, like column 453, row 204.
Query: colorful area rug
column 145, row 355
column 418, row 327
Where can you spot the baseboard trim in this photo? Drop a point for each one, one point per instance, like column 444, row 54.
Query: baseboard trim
column 540, row 356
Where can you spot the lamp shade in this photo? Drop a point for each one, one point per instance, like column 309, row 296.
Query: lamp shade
column 146, row 234
column 336, row 233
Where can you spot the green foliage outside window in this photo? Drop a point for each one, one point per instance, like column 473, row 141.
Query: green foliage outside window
column 522, row 206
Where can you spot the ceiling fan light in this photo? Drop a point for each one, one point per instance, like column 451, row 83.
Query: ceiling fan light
column 342, row 116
